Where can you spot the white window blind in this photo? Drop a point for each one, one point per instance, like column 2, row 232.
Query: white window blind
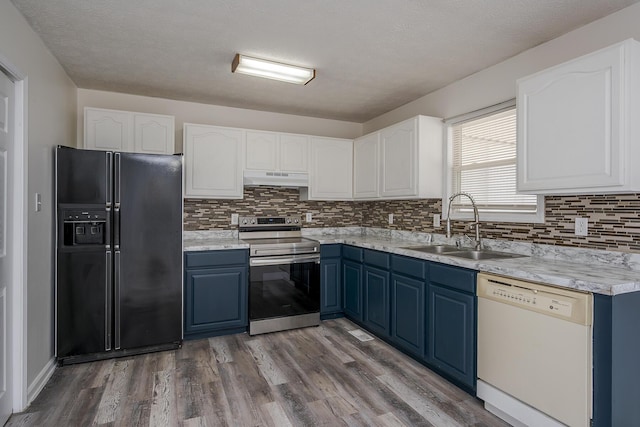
column 484, row 165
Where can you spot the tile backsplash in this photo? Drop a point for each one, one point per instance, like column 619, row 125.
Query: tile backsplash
column 614, row 220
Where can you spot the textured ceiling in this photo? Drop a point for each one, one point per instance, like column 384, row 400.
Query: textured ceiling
column 371, row 56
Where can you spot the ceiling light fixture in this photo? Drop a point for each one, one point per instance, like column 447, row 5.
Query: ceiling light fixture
column 272, row 70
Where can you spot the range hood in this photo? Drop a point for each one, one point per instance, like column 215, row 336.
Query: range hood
column 276, row 179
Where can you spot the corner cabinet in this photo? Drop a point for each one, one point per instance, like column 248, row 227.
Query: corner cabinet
column 215, row 293
column 330, row 170
column 127, row 131
column 578, row 130
column 330, row 281
column 402, row 161
column 366, row 166
column 213, row 159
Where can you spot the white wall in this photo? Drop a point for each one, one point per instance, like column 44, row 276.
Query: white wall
column 191, row 112
column 498, row 83
column 51, row 104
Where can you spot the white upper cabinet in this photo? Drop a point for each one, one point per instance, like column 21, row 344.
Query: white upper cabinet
column 578, row 126
column 107, row 130
column 366, row 165
column 153, row 134
column 127, row 131
column 273, row 151
column 331, row 169
column 294, row 153
column 213, row 161
column 411, row 159
column 262, row 151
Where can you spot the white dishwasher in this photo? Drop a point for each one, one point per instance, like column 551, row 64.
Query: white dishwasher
column 534, row 352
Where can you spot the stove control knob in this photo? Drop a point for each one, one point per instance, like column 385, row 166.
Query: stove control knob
column 288, row 220
column 244, row 221
column 297, row 220
column 253, row 220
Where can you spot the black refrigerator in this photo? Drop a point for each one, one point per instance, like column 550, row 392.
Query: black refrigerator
column 119, row 253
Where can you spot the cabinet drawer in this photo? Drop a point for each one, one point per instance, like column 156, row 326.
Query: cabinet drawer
column 409, row 266
column 353, row 253
column 379, row 259
column 330, row 251
column 453, row 277
column 215, row 258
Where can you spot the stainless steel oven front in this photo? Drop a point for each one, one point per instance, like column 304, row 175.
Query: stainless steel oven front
column 284, row 292
column 284, row 275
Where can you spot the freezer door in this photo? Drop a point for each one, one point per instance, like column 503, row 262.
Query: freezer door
column 82, row 300
column 83, row 176
column 148, row 265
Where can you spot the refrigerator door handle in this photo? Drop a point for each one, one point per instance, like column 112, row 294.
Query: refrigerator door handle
column 116, row 288
column 116, row 181
column 116, row 229
column 109, row 177
column 108, row 304
column 107, row 230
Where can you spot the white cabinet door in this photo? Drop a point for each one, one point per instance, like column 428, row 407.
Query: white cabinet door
column 107, row 130
column 213, row 162
column 331, row 169
column 261, row 151
column 294, row 153
column 153, row 133
column 399, row 159
column 366, row 166
column 576, row 124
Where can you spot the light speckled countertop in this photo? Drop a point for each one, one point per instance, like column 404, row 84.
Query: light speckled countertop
column 600, row 272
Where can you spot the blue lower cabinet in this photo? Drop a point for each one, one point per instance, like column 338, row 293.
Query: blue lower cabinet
column 452, row 333
column 408, row 313
column 376, row 300
column 330, row 281
column 352, row 289
column 216, row 297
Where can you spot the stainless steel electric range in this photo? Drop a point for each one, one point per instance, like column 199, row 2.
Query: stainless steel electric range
column 284, row 274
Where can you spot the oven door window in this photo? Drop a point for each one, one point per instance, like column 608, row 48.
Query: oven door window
column 284, row 290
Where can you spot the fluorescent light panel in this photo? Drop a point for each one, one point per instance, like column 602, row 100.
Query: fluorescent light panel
column 272, row 70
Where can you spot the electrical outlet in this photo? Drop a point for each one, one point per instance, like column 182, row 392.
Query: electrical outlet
column 582, row 226
column 309, row 217
column 436, row 220
column 234, row 219
column 390, row 218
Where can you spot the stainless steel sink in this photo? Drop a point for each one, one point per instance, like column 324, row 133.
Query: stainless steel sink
column 433, row 249
column 453, row 251
column 482, row 254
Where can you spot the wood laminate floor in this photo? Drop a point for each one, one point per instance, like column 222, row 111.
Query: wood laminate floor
column 306, row 377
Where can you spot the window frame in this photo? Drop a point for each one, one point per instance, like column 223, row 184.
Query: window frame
column 485, row 216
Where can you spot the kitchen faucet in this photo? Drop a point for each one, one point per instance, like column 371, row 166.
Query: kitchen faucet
column 476, row 219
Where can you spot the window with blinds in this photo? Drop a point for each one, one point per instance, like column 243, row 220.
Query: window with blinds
column 484, row 165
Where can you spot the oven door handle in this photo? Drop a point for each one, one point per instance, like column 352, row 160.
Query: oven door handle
column 284, row 260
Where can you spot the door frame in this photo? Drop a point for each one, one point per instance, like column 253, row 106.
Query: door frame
column 17, row 338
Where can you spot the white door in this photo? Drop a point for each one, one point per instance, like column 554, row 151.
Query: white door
column 294, row 153
column 6, row 227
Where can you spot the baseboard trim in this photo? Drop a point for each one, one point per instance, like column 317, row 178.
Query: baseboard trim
column 41, row 380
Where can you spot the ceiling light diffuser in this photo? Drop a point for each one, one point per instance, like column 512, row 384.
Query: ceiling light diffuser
column 272, row 70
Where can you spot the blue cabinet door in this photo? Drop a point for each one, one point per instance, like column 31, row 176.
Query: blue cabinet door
column 376, row 300
column 215, row 300
column 407, row 313
column 330, row 286
column 451, row 333
column 352, row 289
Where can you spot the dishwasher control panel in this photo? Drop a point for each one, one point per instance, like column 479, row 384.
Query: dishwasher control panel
column 558, row 304
column 570, row 305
